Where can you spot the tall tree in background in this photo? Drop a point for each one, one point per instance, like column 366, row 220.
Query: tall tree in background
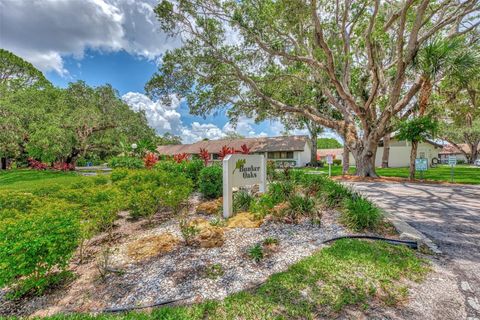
column 417, row 130
column 47, row 123
column 459, row 100
column 358, row 54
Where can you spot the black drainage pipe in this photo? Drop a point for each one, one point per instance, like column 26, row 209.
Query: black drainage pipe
column 409, row 243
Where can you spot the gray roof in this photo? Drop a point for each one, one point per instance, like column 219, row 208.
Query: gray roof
column 263, row 144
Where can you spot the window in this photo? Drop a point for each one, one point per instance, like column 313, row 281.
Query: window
column 280, row 155
column 214, row 156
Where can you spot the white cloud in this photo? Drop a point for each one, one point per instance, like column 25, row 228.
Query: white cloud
column 243, row 126
column 43, row 32
column 198, row 131
column 165, row 118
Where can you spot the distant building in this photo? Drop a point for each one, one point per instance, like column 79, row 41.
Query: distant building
column 291, row 150
column 451, row 150
column 336, row 153
column 400, row 153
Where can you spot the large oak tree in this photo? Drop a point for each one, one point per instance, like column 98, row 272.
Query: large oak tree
column 358, row 54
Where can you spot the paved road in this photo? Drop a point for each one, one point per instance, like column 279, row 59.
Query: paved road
column 447, row 214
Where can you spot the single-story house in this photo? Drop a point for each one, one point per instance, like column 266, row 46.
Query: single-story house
column 400, row 153
column 451, row 150
column 292, row 150
column 336, row 153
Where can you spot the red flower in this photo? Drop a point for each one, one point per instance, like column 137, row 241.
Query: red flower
column 179, row 158
column 244, row 149
column 150, row 160
column 204, row 155
column 225, row 151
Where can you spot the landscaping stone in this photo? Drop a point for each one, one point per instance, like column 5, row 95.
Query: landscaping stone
column 244, row 220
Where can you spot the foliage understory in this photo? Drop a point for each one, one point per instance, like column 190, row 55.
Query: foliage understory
column 318, row 286
column 48, row 215
column 462, row 173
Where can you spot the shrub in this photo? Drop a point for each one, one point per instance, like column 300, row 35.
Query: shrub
column 17, row 200
column 63, row 166
column 192, row 170
column 118, row 174
column 214, row 271
column 337, row 162
column 300, row 206
column 36, row 165
column 189, row 231
column 101, row 180
column 144, row 204
column 334, row 193
column 126, row 162
column 271, row 171
column 210, row 182
column 242, row 201
column 270, row 241
column 280, row 191
column 262, row 206
column 174, row 197
column 360, row 214
column 33, row 244
column 255, row 252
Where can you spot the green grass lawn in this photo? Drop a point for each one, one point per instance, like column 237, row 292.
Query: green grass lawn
column 31, row 180
column 462, row 173
column 350, row 272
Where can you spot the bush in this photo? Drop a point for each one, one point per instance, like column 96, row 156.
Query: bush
column 126, row 162
column 34, row 244
column 300, row 206
column 144, row 204
column 242, row 201
column 280, row 191
column 210, row 182
column 334, row 193
column 192, row 170
column 100, row 180
column 360, row 214
column 118, row 174
column 17, row 200
column 262, row 206
column 337, row 162
column 255, row 252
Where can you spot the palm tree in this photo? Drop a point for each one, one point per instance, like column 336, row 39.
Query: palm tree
column 439, row 58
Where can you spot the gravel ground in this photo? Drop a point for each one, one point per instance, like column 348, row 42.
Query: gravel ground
column 180, row 274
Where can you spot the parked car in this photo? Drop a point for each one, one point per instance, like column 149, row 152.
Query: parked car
column 477, row 162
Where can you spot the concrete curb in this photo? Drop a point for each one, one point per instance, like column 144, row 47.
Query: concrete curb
column 406, row 231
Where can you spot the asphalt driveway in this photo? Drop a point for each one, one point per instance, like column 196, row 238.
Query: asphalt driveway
column 450, row 216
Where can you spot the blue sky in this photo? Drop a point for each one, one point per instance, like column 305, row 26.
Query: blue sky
column 110, row 41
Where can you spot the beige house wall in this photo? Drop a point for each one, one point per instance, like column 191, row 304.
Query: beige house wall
column 400, row 154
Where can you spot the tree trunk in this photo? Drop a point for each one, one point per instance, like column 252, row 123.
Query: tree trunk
column 413, row 155
column 345, row 160
column 365, row 159
column 473, row 152
column 313, row 155
column 3, row 164
column 386, row 150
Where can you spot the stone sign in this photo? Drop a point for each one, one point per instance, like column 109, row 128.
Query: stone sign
column 241, row 170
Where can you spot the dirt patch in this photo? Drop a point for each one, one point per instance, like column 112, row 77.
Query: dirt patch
column 244, row 220
column 210, row 207
column 152, row 246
